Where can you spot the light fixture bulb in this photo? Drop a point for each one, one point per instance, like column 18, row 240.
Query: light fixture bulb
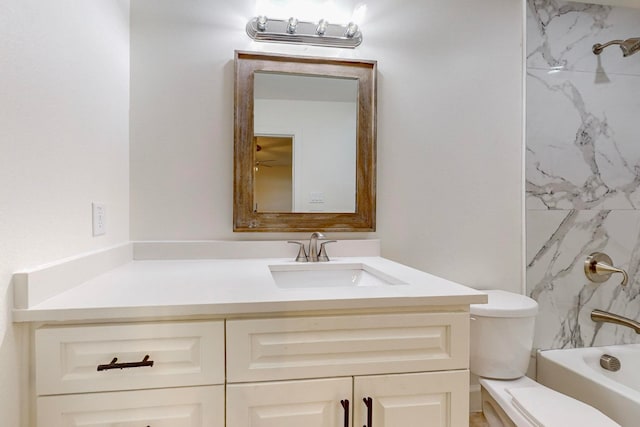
column 322, row 27
column 291, row 26
column 261, row 22
column 352, row 29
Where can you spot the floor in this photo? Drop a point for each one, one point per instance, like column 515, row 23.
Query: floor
column 476, row 419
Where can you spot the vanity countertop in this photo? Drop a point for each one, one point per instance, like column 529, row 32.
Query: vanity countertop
column 152, row 289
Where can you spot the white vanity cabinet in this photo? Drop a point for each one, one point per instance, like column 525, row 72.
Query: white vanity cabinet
column 388, row 370
column 155, row 374
column 147, row 338
column 411, row 369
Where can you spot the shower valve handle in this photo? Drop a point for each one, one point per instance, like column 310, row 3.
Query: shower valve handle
column 598, row 267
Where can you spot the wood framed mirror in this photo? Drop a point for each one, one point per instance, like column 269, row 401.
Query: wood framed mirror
column 304, row 143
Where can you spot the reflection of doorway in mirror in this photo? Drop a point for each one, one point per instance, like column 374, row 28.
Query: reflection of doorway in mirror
column 273, row 173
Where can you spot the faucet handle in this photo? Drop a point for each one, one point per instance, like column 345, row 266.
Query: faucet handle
column 322, row 256
column 302, row 253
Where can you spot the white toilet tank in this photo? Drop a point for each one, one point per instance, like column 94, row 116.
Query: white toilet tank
column 502, row 335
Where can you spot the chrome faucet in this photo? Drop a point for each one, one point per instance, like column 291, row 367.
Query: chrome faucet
column 606, row 317
column 314, row 255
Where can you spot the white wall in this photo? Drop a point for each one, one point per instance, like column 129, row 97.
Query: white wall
column 64, row 98
column 449, row 128
column 449, row 133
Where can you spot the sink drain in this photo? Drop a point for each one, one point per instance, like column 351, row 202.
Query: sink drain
column 610, row 363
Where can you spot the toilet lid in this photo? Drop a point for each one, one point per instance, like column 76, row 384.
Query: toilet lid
column 505, row 304
column 544, row 407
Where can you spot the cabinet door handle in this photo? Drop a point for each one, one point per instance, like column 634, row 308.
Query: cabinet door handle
column 345, row 405
column 369, row 403
column 114, row 365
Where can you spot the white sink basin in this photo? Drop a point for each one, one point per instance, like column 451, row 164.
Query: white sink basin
column 330, row 275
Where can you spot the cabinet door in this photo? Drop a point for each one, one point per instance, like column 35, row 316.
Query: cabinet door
column 178, row 407
column 311, row 403
column 434, row 399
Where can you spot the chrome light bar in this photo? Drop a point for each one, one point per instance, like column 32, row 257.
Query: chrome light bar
column 291, row 30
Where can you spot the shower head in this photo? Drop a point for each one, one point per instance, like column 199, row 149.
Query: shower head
column 628, row 46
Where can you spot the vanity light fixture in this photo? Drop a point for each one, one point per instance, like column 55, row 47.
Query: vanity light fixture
column 352, row 30
column 320, row 33
column 292, row 25
column 321, row 29
column 261, row 23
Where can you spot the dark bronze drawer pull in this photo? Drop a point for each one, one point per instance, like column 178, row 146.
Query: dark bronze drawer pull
column 369, row 403
column 114, row 365
column 345, row 405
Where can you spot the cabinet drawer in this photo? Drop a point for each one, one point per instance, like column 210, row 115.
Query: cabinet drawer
column 311, row 347
column 181, row 407
column 90, row 358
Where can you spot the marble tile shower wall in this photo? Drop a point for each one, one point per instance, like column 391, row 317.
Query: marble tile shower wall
column 582, row 169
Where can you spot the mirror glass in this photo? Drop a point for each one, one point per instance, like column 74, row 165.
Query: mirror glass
column 273, row 173
column 304, row 143
column 305, row 132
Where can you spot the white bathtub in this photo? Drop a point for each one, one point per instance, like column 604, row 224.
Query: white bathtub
column 577, row 373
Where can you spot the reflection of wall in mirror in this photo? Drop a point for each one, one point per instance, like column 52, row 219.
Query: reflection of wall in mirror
column 324, row 149
column 273, row 189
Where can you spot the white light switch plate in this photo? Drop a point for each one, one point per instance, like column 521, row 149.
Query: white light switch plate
column 316, row 197
column 99, row 218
